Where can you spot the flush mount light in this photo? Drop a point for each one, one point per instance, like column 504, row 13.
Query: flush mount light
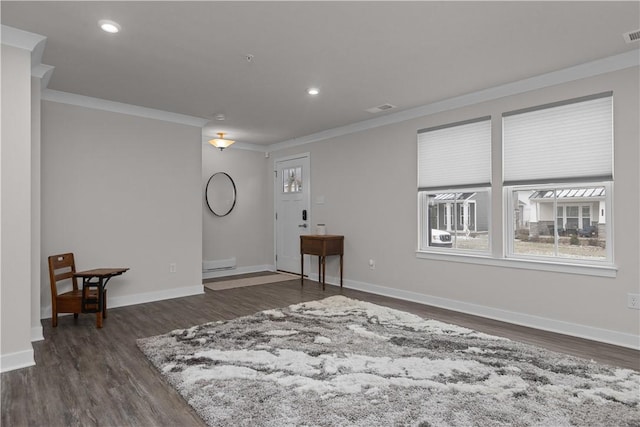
column 109, row 26
column 220, row 142
column 313, row 91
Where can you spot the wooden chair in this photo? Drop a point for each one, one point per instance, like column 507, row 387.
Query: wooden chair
column 63, row 267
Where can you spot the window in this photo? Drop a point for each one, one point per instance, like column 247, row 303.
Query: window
column 557, row 187
column 558, row 176
column 454, row 173
column 569, row 233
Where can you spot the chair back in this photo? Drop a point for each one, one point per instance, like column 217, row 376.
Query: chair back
column 61, row 267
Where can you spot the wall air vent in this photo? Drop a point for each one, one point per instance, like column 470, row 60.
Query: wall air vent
column 379, row 108
column 632, row 36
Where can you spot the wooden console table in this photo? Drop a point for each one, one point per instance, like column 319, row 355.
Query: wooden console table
column 322, row 246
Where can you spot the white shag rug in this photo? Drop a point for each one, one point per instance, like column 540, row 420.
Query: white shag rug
column 343, row 362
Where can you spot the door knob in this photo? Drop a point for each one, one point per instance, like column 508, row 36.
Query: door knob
column 302, row 225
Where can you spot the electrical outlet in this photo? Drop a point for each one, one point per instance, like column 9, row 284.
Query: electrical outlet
column 633, row 301
column 372, row 264
column 172, row 267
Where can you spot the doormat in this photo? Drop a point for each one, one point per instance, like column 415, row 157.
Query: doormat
column 249, row 281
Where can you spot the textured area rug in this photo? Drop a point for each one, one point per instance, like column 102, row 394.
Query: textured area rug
column 249, row 281
column 343, row 362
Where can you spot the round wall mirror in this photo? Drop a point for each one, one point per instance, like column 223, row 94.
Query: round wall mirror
column 220, row 194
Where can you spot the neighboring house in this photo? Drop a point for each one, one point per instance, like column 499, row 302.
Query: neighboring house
column 460, row 211
column 576, row 209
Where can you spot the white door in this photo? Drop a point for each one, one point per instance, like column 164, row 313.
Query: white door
column 292, row 215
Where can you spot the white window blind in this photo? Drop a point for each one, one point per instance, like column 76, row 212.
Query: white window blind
column 560, row 143
column 455, row 155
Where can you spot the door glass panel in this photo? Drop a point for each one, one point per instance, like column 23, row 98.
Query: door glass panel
column 292, row 180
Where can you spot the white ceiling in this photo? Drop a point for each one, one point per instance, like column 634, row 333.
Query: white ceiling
column 190, row 57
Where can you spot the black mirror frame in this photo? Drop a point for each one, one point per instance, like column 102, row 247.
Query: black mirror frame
column 206, row 194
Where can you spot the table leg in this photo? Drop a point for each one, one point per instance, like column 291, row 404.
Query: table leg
column 104, row 303
column 340, row 270
column 301, row 270
column 99, row 314
column 324, row 271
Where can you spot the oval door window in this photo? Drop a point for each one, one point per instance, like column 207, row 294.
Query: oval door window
column 220, row 194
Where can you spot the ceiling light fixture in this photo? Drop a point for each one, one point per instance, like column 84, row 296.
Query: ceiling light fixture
column 109, row 26
column 313, row 91
column 220, row 142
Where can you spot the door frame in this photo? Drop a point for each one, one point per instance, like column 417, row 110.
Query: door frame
column 276, row 188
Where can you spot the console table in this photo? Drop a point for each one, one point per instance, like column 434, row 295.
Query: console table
column 322, row 246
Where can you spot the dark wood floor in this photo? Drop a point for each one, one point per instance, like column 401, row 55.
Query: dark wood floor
column 85, row 376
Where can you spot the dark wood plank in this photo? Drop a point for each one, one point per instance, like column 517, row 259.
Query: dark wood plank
column 89, row 376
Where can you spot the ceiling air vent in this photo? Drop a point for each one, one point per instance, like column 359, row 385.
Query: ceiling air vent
column 632, row 36
column 379, row 108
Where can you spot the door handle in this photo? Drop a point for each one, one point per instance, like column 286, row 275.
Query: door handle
column 302, row 225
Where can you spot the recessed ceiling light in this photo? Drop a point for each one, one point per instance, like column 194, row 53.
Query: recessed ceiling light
column 313, row 91
column 109, row 26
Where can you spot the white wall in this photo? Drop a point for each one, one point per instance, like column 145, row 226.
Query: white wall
column 368, row 180
column 120, row 190
column 247, row 232
column 16, row 222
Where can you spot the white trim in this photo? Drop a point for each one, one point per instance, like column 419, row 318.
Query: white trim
column 590, row 69
column 35, row 44
column 126, row 300
column 17, row 360
column 119, row 107
column 239, row 270
column 42, row 72
column 552, row 325
column 524, row 264
column 23, row 40
column 36, row 333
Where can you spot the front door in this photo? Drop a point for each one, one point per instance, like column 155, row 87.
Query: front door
column 292, row 215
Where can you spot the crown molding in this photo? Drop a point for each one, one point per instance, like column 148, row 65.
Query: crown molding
column 42, row 72
column 590, row 69
column 119, row 107
column 23, row 40
column 34, row 43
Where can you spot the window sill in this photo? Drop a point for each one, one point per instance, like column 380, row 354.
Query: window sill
column 526, row 264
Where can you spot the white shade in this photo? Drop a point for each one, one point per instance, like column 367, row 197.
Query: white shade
column 220, row 142
column 455, row 155
column 560, row 143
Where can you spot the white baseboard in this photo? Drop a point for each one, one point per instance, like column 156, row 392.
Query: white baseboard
column 238, row 270
column 142, row 298
column 558, row 326
column 17, row 360
column 36, row 333
column 155, row 296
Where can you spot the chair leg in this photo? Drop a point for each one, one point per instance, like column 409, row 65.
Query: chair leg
column 54, row 319
column 75, row 315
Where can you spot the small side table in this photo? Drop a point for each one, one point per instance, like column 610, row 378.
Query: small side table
column 322, row 246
